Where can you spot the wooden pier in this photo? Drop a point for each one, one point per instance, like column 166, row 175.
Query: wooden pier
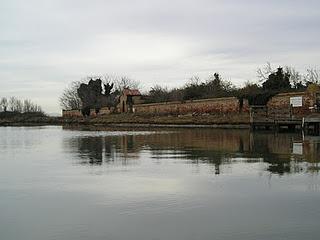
column 261, row 118
column 289, row 111
column 311, row 124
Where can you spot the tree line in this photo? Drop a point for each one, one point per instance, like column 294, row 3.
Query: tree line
column 15, row 105
column 270, row 81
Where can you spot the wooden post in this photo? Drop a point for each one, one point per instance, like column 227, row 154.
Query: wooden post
column 317, row 128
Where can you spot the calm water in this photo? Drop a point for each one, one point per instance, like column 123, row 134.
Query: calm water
column 58, row 183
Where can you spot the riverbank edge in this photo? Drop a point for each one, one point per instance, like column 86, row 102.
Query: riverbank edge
column 130, row 125
column 137, row 121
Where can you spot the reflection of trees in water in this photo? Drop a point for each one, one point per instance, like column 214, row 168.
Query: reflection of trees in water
column 214, row 147
column 220, row 147
column 99, row 150
column 277, row 149
column 279, row 164
column 311, row 147
column 90, row 150
column 209, row 157
column 273, row 150
column 194, row 156
column 312, row 153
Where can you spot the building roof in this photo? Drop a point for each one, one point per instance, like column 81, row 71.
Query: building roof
column 131, row 92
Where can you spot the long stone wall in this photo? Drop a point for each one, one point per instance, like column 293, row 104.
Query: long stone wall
column 277, row 107
column 214, row 105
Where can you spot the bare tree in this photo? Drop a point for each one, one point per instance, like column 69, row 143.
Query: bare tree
column 194, row 80
column 119, row 82
column 37, row 108
column 4, row 103
column 312, row 76
column 12, row 104
column 297, row 80
column 27, row 105
column 295, row 77
column 18, row 106
column 70, row 98
column 30, row 107
column 158, row 94
column 125, row 82
column 263, row 73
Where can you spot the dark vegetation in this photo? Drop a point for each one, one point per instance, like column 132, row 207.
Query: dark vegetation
column 95, row 95
column 95, row 92
column 271, row 82
column 26, row 119
column 194, row 89
column 276, row 82
column 105, row 90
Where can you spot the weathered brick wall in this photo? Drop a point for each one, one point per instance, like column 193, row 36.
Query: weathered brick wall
column 279, row 105
column 214, row 105
column 105, row 110
column 217, row 140
column 77, row 113
column 71, row 113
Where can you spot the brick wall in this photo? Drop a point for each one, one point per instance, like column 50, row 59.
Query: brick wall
column 105, row 110
column 124, row 106
column 77, row 113
column 71, row 113
column 214, row 105
column 279, row 105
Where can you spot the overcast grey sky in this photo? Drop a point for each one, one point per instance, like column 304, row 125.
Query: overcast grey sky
column 46, row 44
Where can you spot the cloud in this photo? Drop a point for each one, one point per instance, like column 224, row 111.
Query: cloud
column 46, row 44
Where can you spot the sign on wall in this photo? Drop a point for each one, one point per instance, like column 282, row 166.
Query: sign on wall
column 296, row 101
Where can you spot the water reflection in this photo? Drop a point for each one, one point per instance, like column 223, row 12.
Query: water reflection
column 157, row 184
column 95, row 150
column 281, row 152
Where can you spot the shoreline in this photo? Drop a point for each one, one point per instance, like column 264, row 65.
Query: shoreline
column 138, row 121
column 146, row 125
column 129, row 125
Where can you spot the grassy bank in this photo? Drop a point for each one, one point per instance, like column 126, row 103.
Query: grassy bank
column 134, row 119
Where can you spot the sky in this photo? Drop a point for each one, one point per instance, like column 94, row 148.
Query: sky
column 47, row 44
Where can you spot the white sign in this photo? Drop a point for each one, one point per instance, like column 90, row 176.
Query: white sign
column 296, row 101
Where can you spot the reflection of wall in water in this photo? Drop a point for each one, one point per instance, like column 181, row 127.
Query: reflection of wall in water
column 214, row 146
column 286, row 152
column 210, row 146
column 311, row 149
column 292, row 145
column 214, row 140
column 276, row 143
